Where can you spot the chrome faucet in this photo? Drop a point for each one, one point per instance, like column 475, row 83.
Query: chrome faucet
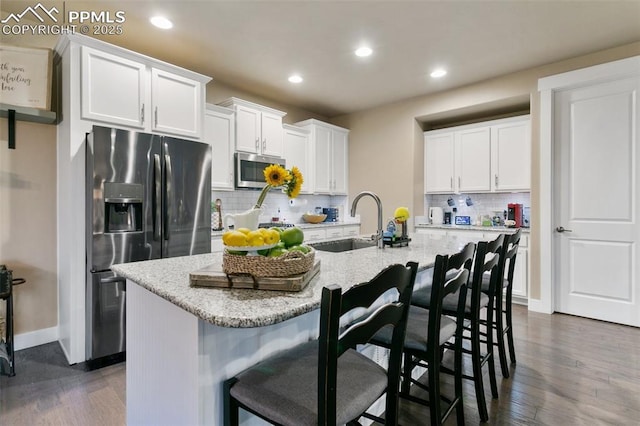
column 378, row 236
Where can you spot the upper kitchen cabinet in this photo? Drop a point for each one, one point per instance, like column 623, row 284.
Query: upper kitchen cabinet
column 297, row 152
column 473, row 160
column 511, row 155
column 219, row 132
column 330, row 149
column 123, row 88
column 439, row 162
column 489, row 156
column 258, row 128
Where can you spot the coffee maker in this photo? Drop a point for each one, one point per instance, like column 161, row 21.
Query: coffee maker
column 515, row 213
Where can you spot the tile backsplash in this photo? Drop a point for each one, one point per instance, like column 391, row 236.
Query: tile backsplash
column 277, row 204
column 482, row 204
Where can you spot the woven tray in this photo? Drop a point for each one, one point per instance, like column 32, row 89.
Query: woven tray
column 291, row 263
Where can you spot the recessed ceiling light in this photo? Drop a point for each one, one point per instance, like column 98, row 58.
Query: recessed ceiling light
column 364, row 51
column 295, row 79
column 161, row 22
column 439, row 73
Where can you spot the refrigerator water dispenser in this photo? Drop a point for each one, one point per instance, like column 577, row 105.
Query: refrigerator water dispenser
column 123, row 207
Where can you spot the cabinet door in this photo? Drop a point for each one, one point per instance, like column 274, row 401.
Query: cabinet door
column 219, row 133
column 473, row 160
column 351, row 231
column 322, row 148
column 296, row 153
column 272, row 136
column 113, row 89
column 521, row 273
column 247, row 129
column 340, row 163
column 511, row 156
column 438, row 163
column 177, row 104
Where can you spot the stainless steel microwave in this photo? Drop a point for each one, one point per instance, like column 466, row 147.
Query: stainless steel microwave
column 249, row 169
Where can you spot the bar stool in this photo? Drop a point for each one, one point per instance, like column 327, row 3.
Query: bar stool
column 428, row 332
column 502, row 300
column 487, row 259
column 7, row 354
column 326, row 381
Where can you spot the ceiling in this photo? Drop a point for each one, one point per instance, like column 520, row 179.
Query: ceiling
column 255, row 45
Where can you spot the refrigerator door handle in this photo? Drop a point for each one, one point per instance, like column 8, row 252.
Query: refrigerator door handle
column 168, row 178
column 157, row 197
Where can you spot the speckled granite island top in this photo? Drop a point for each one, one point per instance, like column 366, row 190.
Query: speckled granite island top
column 239, row 308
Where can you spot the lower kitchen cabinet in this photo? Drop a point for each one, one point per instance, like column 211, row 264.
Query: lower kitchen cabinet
column 521, row 272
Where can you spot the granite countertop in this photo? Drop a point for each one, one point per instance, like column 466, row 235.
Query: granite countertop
column 470, row 228
column 239, row 308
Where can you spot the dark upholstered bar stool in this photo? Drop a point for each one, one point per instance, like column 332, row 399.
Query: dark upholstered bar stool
column 326, row 381
column 428, row 330
column 502, row 300
column 487, row 259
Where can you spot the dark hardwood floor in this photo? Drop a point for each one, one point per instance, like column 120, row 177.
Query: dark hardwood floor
column 570, row 371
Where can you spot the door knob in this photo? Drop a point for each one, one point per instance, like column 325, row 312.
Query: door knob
column 561, row 229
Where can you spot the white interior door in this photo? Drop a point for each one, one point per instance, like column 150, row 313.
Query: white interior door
column 596, row 201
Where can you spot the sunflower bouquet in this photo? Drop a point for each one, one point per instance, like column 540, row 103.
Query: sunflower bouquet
column 277, row 176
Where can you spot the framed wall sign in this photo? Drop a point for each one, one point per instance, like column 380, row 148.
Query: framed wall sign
column 25, row 76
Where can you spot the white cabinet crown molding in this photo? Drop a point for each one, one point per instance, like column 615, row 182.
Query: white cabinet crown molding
column 64, row 41
column 321, row 123
column 236, row 101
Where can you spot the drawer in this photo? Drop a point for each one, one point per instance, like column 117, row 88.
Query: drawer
column 335, row 233
column 314, row 234
column 350, row 231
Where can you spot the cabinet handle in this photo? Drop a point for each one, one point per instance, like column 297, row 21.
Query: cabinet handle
column 156, row 117
column 264, row 145
column 257, row 144
column 459, row 182
column 496, row 180
column 142, row 114
column 451, row 179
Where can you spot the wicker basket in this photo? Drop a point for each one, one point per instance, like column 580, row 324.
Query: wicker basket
column 291, row 263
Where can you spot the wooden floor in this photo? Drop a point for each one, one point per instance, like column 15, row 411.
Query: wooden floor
column 570, row 371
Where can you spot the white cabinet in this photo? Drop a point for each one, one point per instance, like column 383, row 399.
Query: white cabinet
column 521, row 271
column 219, row 131
column 351, row 230
column 511, row 156
column 297, row 152
column 177, row 104
column 439, row 162
column 126, row 89
column 490, row 156
column 113, row 89
column 258, row 128
column 314, row 234
column 473, row 160
column 330, row 149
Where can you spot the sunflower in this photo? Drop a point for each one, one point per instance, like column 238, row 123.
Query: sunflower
column 294, row 185
column 276, row 175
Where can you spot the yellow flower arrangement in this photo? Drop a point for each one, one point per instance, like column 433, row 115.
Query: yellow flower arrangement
column 276, row 176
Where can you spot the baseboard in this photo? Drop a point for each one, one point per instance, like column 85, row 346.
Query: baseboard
column 537, row 305
column 35, row 338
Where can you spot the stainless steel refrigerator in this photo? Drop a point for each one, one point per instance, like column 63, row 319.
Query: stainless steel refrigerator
column 148, row 197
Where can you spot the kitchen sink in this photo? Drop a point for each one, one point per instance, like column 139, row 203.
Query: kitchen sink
column 339, row 246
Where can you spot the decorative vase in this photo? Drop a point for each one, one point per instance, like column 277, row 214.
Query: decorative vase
column 248, row 219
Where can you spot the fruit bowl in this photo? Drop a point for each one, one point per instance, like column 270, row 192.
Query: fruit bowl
column 314, row 218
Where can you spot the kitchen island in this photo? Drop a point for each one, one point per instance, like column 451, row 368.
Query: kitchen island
column 183, row 342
